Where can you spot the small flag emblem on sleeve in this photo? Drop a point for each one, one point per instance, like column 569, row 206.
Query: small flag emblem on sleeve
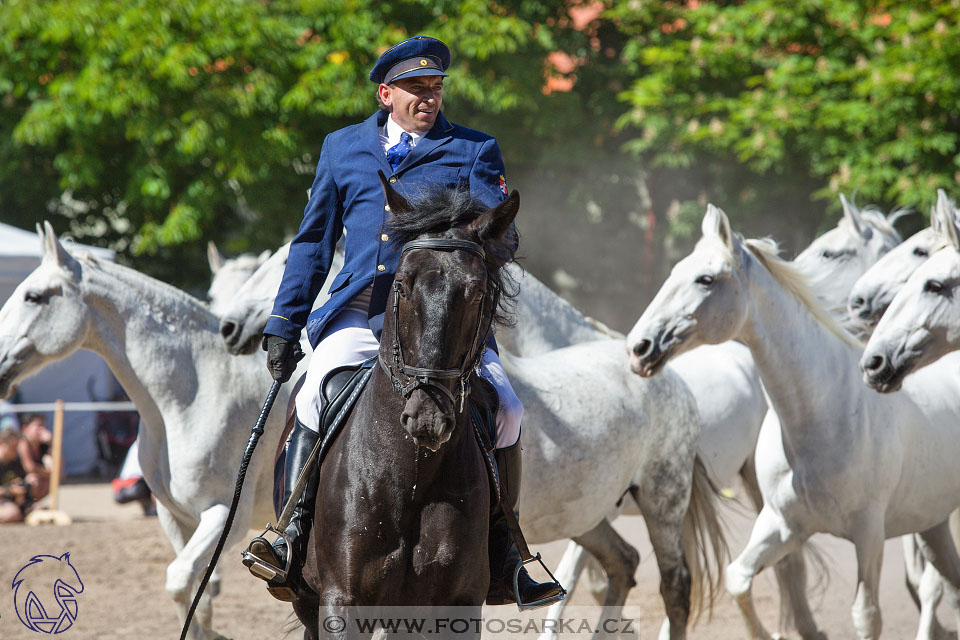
column 503, row 185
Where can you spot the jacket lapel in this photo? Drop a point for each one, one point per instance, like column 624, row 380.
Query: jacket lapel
column 440, row 133
column 371, row 139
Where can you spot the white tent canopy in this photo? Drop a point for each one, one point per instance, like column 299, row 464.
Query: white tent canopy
column 74, row 378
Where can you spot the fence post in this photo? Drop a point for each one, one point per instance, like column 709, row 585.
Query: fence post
column 57, row 455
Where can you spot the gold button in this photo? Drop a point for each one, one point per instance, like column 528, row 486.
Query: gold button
column 380, row 267
column 384, row 237
column 393, row 179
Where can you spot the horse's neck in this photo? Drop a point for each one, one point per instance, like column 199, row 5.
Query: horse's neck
column 545, row 320
column 810, row 374
column 152, row 337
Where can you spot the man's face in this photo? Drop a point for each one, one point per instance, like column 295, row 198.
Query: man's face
column 414, row 102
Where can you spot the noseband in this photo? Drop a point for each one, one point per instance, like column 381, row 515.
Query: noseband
column 406, row 379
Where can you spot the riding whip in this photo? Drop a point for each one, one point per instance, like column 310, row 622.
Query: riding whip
column 255, row 434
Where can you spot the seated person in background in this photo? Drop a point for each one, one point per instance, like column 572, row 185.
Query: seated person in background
column 34, row 450
column 14, row 490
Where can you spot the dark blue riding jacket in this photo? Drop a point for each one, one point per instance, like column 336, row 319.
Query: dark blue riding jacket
column 347, row 194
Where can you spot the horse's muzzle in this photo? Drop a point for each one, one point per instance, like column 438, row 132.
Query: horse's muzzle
column 427, row 423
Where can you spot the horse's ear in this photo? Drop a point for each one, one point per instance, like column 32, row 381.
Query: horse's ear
column 264, row 256
column 946, row 221
column 214, row 257
column 51, row 249
column 397, row 203
column 716, row 223
column 852, row 213
column 493, row 223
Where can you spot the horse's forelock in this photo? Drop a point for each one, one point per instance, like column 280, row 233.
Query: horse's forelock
column 442, row 211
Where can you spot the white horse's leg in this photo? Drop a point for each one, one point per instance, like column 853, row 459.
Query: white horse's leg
column 930, row 590
column 568, row 572
column 770, row 540
column 923, row 585
column 619, row 560
column 178, row 533
column 791, row 571
column 185, row 572
column 938, row 548
column 866, row 606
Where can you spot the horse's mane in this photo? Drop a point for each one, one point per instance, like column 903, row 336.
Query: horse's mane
column 439, row 210
column 186, row 308
column 797, row 284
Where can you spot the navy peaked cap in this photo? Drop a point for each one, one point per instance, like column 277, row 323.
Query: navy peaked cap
column 416, row 56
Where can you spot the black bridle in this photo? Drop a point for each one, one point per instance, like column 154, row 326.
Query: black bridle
column 406, row 379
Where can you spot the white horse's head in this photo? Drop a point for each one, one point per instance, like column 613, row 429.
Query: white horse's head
column 243, row 320
column 835, row 260
column 873, row 292
column 229, row 275
column 922, row 322
column 703, row 300
column 45, row 318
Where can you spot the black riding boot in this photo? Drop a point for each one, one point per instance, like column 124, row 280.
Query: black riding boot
column 504, row 556
column 302, row 442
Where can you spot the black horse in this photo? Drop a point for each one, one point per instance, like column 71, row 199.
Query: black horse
column 403, row 504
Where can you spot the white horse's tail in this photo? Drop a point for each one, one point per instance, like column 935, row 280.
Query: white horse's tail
column 705, row 546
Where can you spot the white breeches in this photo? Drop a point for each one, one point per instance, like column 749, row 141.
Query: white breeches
column 347, row 339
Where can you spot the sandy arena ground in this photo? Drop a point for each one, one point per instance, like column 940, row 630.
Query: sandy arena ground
column 121, row 557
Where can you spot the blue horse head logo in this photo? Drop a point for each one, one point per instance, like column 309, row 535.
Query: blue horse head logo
column 45, row 594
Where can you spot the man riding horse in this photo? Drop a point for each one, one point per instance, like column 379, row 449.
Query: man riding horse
column 416, row 147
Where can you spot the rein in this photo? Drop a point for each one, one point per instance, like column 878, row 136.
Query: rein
column 406, row 378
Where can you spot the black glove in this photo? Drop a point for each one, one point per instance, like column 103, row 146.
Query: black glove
column 282, row 356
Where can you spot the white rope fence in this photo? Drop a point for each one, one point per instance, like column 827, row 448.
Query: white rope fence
column 70, row 406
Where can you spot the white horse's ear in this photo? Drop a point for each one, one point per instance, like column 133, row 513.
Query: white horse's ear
column 716, row 223
column 214, row 258
column 950, row 231
column 52, row 250
column 264, row 256
column 852, row 214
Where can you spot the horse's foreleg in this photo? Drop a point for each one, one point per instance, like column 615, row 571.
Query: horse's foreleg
column 868, row 541
column 937, row 546
column 568, row 572
column 770, row 540
column 618, row 559
column 185, row 572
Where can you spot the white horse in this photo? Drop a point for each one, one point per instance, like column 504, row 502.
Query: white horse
column 857, row 242
column 873, row 292
column 196, row 402
column 922, row 323
column 229, row 274
column 846, row 461
column 869, row 299
column 567, row 433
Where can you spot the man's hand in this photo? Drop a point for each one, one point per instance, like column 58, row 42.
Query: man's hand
column 282, row 356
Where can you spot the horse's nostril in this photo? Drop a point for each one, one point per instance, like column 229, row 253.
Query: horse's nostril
column 857, row 302
column 227, row 329
column 641, row 348
column 875, row 364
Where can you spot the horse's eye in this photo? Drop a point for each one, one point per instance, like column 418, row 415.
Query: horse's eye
column 705, row 280
column 920, row 252
column 33, row 297
column 933, row 286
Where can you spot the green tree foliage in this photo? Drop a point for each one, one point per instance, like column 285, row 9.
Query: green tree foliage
column 164, row 123
column 862, row 96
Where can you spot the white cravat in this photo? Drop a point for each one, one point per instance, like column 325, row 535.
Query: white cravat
column 390, row 135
